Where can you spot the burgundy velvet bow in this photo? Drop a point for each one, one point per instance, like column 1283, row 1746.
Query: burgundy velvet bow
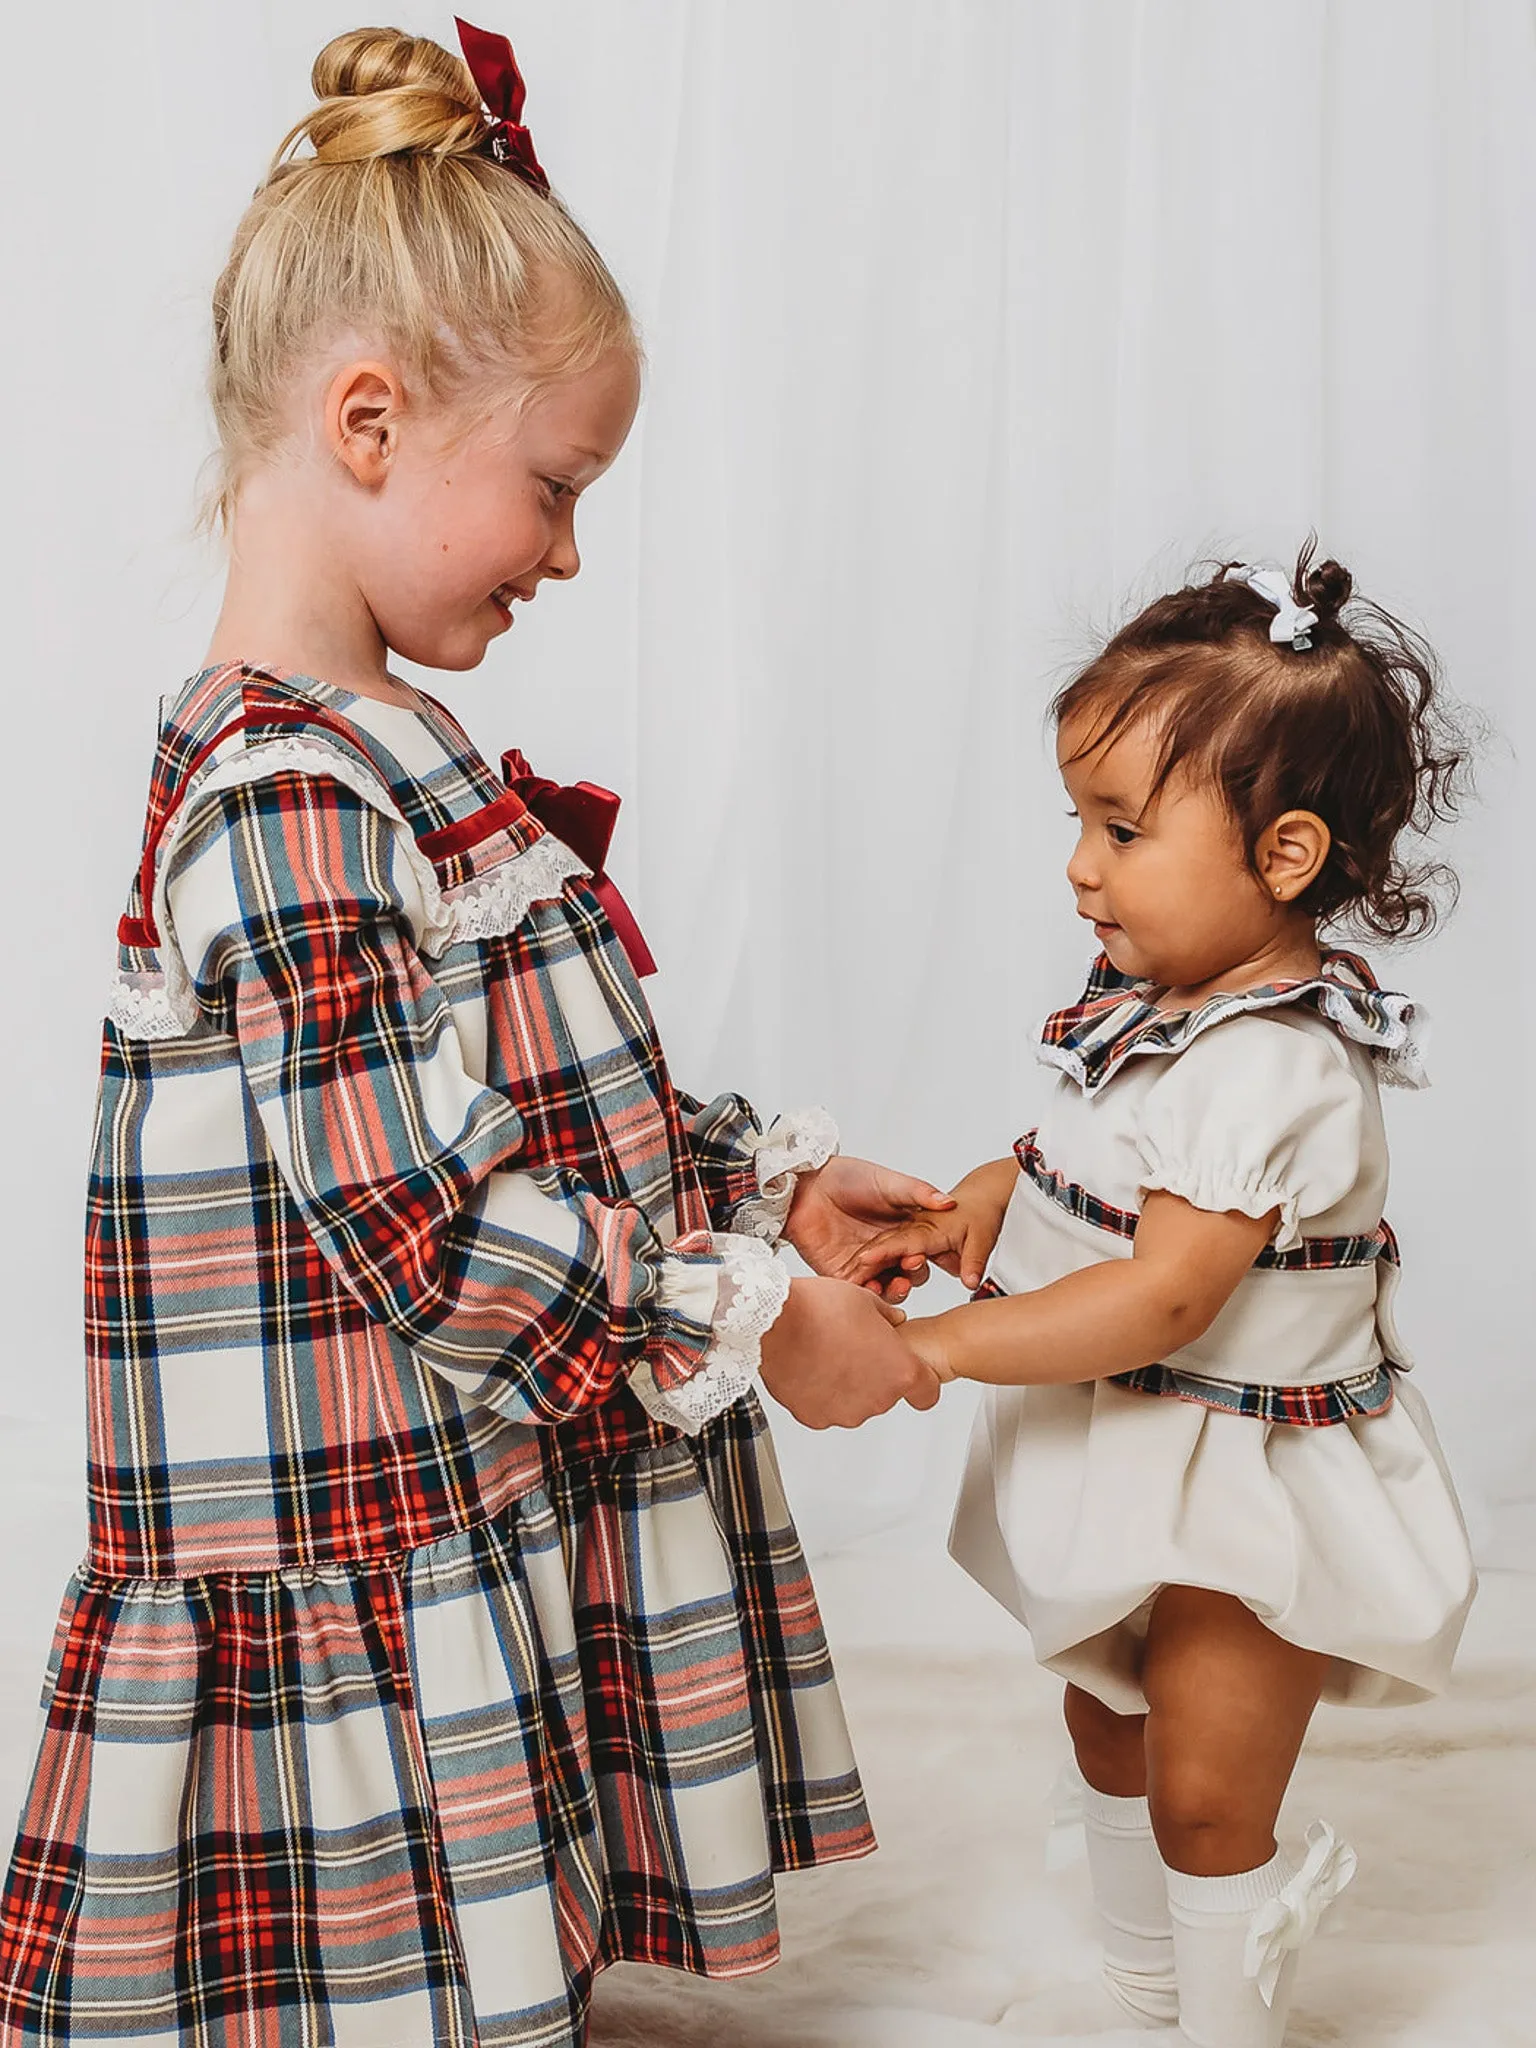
column 583, row 815
column 494, row 70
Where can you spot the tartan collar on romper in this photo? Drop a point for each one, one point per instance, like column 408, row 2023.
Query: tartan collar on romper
column 1118, row 1018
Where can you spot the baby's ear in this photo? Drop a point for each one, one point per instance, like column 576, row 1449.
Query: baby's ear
column 1291, row 854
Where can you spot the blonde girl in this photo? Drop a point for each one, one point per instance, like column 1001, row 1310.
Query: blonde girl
column 443, row 1634
column 1200, row 1477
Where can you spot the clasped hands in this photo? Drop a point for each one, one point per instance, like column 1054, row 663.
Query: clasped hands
column 838, row 1353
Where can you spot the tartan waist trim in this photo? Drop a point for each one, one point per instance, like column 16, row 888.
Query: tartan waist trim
column 1313, row 1255
column 1366, row 1393
column 1317, row 1407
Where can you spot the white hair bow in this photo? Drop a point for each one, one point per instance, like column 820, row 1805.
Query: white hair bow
column 1292, row 621
column 1291, row 1917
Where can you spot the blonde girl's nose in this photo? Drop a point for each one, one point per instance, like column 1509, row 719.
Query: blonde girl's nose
column 564, row 557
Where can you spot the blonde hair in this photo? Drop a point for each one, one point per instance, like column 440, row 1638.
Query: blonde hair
column 398, row 227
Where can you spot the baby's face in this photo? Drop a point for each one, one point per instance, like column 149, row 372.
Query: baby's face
column 1163, row 879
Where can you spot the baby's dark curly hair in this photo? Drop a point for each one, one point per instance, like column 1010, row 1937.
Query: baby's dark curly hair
column 1354, row 728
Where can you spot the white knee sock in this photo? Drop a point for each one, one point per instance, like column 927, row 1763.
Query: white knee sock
column 1131, row 1895
column 1235, row 1941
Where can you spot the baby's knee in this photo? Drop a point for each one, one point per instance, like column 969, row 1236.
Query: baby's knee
column 1197, row 1812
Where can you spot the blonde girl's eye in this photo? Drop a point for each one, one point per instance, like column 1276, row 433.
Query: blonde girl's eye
column 555, row 489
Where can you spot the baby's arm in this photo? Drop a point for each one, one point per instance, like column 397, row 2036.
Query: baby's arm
column 1108, row 1318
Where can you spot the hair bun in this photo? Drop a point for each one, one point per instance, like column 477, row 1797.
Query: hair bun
column 1327, row 588
column 385, row 93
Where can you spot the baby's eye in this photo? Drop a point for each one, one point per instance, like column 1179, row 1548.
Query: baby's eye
column 556, row 489
column 1122, row 835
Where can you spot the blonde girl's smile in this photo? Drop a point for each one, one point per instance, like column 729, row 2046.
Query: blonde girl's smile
column 441, row 523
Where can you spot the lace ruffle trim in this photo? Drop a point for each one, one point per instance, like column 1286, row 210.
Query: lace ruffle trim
column 493, row 904
column 801, row 1141
column 751, row 1288
column 143, row 1006
column 161, row 1005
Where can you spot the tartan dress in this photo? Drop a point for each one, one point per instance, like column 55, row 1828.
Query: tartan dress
column 443, row 1634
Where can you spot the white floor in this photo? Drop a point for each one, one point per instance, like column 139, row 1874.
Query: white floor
column 954, row 1936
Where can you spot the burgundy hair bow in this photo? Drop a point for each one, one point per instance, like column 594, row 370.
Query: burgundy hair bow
column 583, row 814
column 494, row 70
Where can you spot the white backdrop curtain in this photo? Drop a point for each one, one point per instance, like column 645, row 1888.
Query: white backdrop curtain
column 968, row 321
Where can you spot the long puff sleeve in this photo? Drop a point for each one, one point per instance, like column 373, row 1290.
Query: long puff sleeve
column 722, row 1136
column 293, row 902
column 748, row 1175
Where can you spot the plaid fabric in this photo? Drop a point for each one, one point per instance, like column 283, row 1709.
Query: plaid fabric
column 1117, row 1018
column 327, row 1263
column 1366, row 1393
column 381, row 1807
column 725, row 1168
column 1311, row 1407
column 413, row 1673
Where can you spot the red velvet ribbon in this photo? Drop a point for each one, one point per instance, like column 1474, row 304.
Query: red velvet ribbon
column 583, row 815
column 494, row 70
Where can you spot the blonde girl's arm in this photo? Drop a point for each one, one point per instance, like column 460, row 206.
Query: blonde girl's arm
column 292, row 905
column 1112, row 1317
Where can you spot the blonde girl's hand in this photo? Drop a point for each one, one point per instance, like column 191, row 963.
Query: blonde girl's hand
column 958, row 1240
column 838, row 1212
column 835, row 1358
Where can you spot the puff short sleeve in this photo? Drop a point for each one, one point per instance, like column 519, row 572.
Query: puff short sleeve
column 1258, row 1113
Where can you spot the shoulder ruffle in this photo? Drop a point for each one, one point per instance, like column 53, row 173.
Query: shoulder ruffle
column 1118, row 1020
column 159, row 1003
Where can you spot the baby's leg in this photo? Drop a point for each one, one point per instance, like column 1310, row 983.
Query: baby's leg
column 1229, row 1705
column 1129, row 1889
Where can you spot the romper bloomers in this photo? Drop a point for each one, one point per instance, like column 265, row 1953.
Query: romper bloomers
column 1281, row 1457
column 443, row 1634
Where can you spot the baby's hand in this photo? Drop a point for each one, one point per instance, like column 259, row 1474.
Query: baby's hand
column 959, row 1240
column 923, row 1335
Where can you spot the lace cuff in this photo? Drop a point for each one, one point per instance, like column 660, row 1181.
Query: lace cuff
column 736, row 1293
column 800, row 1142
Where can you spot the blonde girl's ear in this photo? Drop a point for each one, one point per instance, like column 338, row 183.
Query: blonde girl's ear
column 364, row 405
column 1291, row 853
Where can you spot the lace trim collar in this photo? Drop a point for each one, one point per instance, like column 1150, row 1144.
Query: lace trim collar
column 1119, row 1019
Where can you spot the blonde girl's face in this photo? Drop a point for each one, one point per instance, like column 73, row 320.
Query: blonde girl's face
column 463, row 519
column 1163, row 879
